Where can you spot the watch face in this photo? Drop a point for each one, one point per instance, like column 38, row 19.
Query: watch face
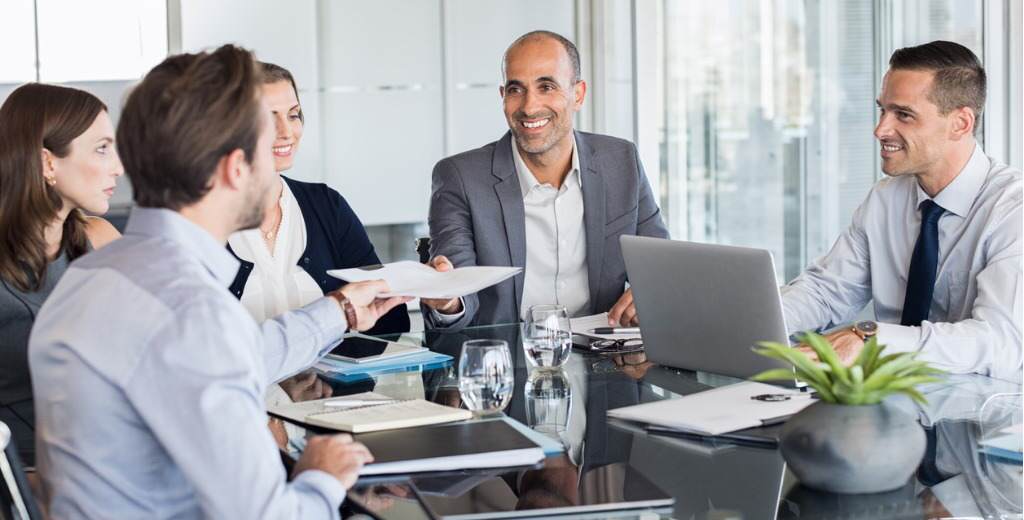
column 868, row 327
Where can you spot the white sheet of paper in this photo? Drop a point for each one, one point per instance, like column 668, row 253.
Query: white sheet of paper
column 585, row 324
column 523, row 457
column 410, row 278
column 717, row 411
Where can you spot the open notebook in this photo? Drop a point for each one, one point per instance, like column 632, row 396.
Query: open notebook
column 368, row 412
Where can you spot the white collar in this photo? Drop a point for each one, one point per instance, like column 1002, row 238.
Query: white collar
column 527, row 181
column 960, row 194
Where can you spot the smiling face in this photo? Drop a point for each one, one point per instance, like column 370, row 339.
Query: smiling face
column 86, row 177
column 288, row 125
column 539, row 96
column 912, row 134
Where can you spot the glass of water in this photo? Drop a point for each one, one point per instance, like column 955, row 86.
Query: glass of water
column 486, row 375
column 547, row 337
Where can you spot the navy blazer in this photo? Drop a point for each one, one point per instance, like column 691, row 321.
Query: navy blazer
column 335, row 239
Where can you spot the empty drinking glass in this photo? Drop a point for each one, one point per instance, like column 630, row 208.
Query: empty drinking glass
column 547, row 337
column 486, row 376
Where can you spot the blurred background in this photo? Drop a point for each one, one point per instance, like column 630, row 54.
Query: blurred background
column 754, row 118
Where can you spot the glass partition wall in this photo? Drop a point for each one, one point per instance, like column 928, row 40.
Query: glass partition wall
column 766, row 129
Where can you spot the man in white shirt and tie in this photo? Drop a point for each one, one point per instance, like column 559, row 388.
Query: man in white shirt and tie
column 544, row 197
column 936, row 246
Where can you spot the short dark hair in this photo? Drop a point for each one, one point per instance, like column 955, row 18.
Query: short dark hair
column 187, row 113
column 570, row 49
column 959, row 77
column 273, row 73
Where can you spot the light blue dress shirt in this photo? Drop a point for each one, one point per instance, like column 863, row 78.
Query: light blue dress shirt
column 149, row 379
column 974, row 324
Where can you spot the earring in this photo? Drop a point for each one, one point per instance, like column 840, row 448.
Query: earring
column 51, row 180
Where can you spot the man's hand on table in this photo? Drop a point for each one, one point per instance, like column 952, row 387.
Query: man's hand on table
column 846, row 343
column 337, row 455
column 623, row 313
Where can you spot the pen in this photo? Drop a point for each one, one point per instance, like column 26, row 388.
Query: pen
column 783, row 397
column 616, row 330
column 354, row 402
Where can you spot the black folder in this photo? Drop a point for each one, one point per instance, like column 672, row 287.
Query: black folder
column 448, row 447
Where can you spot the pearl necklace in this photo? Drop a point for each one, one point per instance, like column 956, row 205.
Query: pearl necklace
column 269, row 235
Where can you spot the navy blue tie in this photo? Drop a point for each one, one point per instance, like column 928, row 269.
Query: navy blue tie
column 921, row 279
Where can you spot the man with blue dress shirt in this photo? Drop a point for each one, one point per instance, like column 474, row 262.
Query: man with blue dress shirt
column 148, row 374
column 937, row 244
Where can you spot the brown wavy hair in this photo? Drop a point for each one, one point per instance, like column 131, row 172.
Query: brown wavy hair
column 37, row 116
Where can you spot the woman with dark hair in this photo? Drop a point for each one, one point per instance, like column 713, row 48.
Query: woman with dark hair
column 310, row 229
column 57, row 162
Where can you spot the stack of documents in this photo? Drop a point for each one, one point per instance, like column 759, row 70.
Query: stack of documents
column 345, row 371
column 368, row 412
column 410, row 278
column 719, row 410
column 585, row 325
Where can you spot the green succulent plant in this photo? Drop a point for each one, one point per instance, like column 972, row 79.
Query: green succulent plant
column 868, row 380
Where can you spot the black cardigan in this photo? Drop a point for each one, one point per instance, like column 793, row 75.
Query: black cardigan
column 335, row 239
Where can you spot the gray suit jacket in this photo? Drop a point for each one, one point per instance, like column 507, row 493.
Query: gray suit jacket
column 477, row 217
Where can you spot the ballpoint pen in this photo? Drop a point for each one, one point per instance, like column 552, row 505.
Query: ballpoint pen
column 616, row 330
column 783, row 397
column 341, row 403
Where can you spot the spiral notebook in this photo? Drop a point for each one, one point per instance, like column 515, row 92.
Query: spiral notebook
column 368, row 412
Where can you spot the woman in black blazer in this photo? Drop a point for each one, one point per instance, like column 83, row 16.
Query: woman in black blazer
column 311, row 230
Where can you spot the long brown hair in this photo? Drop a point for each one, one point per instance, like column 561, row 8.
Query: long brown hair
column 37, row 116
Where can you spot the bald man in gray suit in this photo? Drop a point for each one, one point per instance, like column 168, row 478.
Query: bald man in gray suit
column 544, row 197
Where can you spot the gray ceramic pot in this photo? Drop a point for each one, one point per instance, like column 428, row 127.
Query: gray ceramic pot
column 852, row 449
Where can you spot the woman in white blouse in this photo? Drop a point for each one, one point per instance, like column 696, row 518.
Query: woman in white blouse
column 312, row 229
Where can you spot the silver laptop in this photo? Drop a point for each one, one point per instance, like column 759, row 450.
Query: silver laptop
column 704, row 307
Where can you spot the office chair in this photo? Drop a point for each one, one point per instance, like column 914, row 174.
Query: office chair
column 423, row 249
column 16, row 500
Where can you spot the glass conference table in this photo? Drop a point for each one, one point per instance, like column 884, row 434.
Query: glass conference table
column 606, row 460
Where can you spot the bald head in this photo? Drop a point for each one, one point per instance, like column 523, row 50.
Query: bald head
column 533, row 37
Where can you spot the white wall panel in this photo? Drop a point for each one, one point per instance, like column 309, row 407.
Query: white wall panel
column 477, row 32
column 18, row 39
column 380, row 69
column 278, row 32
column 100, row 40
column 382, row 147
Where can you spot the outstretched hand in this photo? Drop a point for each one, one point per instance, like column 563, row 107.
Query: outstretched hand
column 365, row 301
column 441, row 264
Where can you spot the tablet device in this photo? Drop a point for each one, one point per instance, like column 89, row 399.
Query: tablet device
column 365, row 349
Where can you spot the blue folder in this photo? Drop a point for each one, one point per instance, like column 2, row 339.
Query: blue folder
column 346, row 372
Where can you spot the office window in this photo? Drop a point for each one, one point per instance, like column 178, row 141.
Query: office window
column 769, row 110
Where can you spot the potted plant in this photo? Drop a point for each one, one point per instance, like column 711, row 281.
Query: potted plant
column 848, row 442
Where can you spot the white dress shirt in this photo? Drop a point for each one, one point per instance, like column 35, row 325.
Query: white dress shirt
column 556, row 242
column 276, row 284
column 974, row 324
